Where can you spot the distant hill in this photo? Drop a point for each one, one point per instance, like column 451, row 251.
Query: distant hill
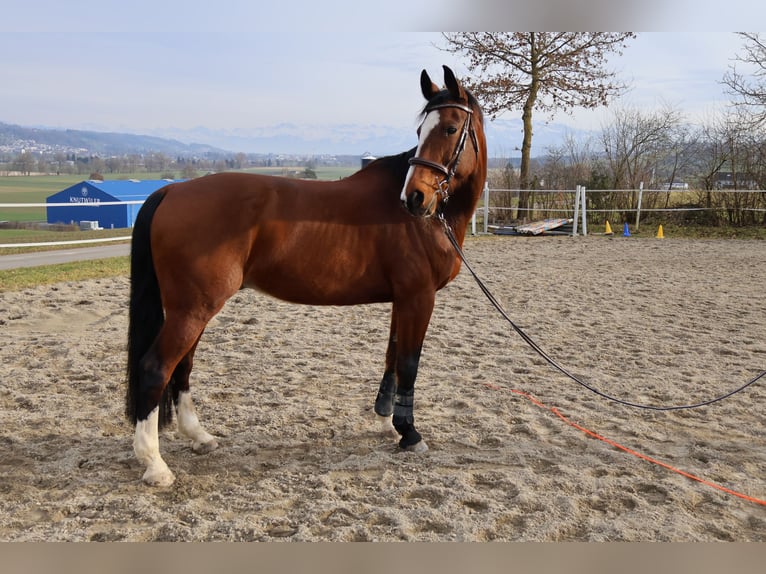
column 503, row 140
column 14, row 138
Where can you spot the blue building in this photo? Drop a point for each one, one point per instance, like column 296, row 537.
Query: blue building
column 84, row 201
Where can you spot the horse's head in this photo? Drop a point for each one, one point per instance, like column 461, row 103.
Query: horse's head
column 451, row 147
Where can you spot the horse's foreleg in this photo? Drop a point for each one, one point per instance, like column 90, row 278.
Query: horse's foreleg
column 384, row 402
column 413, row 318
column 188, row 423
column 403, row 419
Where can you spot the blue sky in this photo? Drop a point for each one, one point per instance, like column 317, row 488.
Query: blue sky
column 145, row 66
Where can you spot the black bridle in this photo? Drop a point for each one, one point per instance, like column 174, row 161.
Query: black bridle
column 449, row 170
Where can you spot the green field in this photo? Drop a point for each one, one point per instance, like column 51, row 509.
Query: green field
column 36, row 188
column 323, row 173
column 30, row 189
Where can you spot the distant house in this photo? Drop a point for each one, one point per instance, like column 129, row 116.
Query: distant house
column 675, row 185
column 83, row 201
column 726, row 180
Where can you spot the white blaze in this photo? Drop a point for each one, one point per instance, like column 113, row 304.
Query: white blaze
column 432, row 120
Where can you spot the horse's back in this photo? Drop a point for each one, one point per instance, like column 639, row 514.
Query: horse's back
column 305, row 242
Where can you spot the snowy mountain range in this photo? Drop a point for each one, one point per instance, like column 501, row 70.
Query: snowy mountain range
column 503, row 140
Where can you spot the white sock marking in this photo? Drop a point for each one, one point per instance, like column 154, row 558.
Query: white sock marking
column 146, row 445
column 188, row 423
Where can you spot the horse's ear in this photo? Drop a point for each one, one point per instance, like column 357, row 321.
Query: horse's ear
column 453, row 86
column 428, row 88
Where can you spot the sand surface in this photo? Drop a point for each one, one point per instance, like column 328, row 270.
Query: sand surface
column 289, row 392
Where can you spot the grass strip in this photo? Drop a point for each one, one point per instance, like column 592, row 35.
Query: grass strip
column 25, row 277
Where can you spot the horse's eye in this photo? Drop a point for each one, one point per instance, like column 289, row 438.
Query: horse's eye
column 451, row 130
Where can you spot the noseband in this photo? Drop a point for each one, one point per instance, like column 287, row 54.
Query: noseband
column 451, row 167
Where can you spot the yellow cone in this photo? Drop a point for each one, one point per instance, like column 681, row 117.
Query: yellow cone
column 608, row 230
column 660, row 235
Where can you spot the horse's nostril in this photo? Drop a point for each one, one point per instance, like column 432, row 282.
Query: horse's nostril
column 415, row 200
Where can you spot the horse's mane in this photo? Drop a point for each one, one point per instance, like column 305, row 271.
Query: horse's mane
column 397, row 164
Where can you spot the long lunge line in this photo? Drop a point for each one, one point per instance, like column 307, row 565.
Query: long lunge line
column 527, row 339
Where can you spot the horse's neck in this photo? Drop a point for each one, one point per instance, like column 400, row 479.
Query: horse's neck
column 461, row 206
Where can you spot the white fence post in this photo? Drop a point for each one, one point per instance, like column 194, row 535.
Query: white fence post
column 576, row 211
column 485, row 210
column 584, row 213
column 640, row 197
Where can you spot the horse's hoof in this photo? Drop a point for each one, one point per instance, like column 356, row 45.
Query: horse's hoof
column 161, row 478
column 418, row 448
column 205, row 447
column 387, row 427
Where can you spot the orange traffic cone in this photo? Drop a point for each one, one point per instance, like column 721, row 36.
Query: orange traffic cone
column 608, row 230
column 660, row 235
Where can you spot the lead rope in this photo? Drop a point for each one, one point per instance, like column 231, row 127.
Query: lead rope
column 557, row 366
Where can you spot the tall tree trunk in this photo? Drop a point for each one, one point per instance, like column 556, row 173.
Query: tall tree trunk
column 526, row 152
column 526, row 119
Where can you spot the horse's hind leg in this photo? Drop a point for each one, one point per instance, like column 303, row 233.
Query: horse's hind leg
column 173, row 343
column 146, row 445
column 384, row 402
column 188, row 423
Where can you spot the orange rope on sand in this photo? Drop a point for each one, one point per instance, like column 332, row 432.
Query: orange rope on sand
column 610, row 442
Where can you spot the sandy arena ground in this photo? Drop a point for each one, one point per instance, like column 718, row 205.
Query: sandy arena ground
column 289, row 392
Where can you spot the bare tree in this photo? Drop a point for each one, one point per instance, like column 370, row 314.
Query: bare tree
column 240, row 161
column 24, row 163
column 750, row 90
column 636, row 143
column 114, row 164
column 569, row 164
column 189, row 171
column 640, row 146
column 60, row 161
column 545, row 71
column 716, row 135
column 731, row 156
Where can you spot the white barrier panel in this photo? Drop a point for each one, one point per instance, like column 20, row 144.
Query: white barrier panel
column 74, row 242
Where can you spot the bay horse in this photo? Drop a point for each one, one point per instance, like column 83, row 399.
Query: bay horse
column 376, row 236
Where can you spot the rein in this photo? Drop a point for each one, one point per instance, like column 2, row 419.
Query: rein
column 527, row 339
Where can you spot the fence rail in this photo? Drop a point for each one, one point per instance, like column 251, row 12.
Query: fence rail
column 69, row 204
column 69, row 242
column 502, row 207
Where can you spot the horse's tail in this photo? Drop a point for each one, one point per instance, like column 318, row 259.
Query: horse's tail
column 145, row 315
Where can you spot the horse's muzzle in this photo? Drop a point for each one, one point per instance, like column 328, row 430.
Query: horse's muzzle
column 414, row 203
